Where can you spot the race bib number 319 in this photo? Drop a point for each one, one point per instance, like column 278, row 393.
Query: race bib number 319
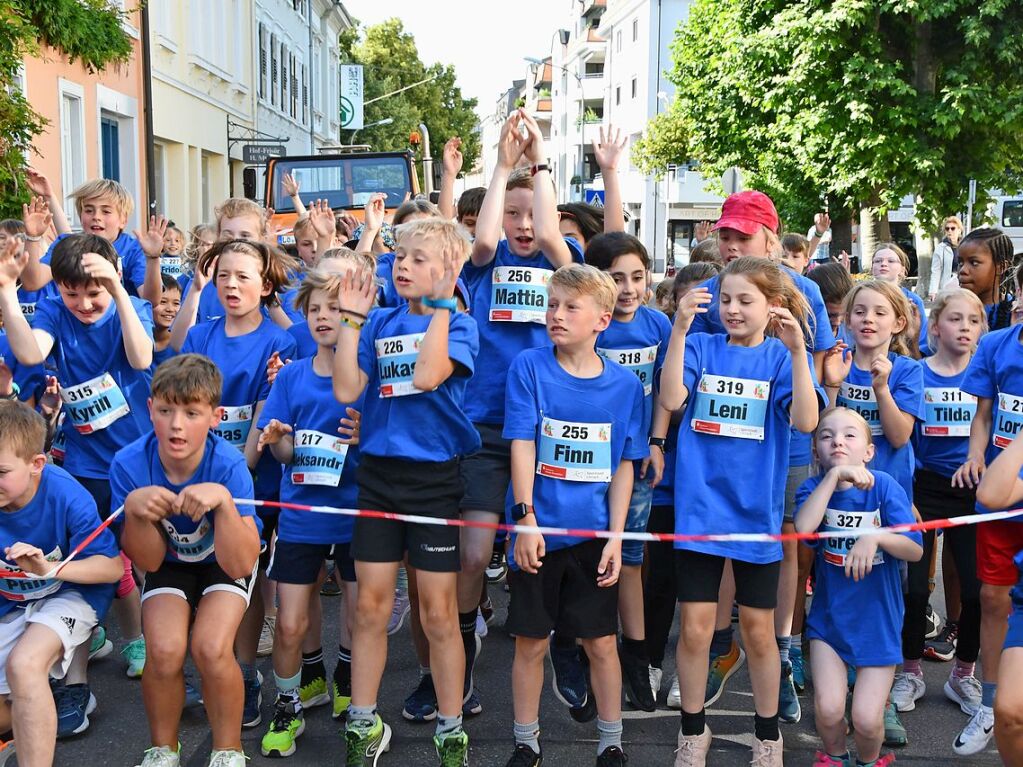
column 731, row 407
column 580, row 452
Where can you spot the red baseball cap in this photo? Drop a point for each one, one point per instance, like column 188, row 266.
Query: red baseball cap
column 748, row 211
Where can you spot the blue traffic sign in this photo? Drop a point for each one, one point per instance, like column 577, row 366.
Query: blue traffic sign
column 595, row 197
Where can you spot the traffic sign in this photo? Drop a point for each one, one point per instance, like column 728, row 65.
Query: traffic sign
column 258, row 154
column 595, row 197
column 351, row 97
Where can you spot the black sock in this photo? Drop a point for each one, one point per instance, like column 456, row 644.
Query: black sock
column 766, row 727
column 636, row 648
column 312, row 666
column 343, row 669
column 467, row 627
column 694, row 724
column 721, row 644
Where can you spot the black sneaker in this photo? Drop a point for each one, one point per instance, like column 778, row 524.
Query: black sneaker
column 524, row 756
column 612, row 756
column 943, row 646
column 636, row 680
column 933, row 624
column 498, row 567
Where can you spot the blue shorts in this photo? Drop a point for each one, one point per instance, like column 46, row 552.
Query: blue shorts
column 301, row 563
column 1014, row 638
column 639, row 516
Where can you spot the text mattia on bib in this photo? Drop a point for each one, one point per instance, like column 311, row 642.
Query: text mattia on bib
column 27, row 589
column 519, row 294
column 862, row 400
column 235, row 423
column 839, row 520
column 190, row 547
column 319, row 458
column 396, row 364
column 580, row 452
column 95, row 404
column 639, row 361
column 730, row 407
column 948, row 412
column 1010, row 419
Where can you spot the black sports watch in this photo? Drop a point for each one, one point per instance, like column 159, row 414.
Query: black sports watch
column 657, row 442
column 520, row 510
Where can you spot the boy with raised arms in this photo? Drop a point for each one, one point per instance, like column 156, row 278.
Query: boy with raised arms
column 412, row 361
column 575, row 421
column 177, row 484
column 44, row 515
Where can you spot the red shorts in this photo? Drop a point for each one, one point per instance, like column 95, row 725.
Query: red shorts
column 997, row 544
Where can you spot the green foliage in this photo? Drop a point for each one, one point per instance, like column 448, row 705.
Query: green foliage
column 858, row 101
column 391, row 61
column 88, row 31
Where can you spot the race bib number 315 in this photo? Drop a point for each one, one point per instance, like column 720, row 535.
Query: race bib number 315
column 580, row 452
column 519, row 294
column 95, row 404
column 731, row 407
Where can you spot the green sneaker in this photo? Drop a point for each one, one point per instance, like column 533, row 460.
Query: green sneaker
column 894, row 732
column 364, row 745
column 285, row 727
column 135, row 654
column 342, row 700
column 314, row 694
column 100, row 646
column 452, row 749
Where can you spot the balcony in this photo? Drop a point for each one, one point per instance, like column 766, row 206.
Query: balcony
column 593, row 88
column 594, row 6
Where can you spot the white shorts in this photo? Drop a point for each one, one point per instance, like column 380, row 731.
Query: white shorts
column 65, row 613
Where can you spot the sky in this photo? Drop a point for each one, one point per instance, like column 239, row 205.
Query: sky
column 462, row 33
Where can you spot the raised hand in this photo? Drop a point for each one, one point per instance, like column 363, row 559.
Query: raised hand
column 12, row 263
column 511, row 143
column 821, row 224
column 453, row 157
column 837, row 364
column 702, row 230
column 202, row 278
column 289, row 184
column 349, row 224
column 38, row 183
column 152, row 240
column 880, row 370
column 273, row 367
column 272, row 434
column 358, row 291
column 692, row 303
column 36, row 217
column 50, row 403
column 608, row 150
column 102, row 271
column 787, row 329
column 322, row 218
column 376, row 208
column 445, row 278
column 534, row 150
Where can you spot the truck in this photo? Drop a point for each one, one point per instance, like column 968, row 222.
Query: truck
column 344, row 176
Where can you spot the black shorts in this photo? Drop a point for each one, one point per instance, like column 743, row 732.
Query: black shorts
column 192, row 582
column 268, row 515
column 301, row 563
column 563, row 596
column 698, row 579
column 935, row 498
column 426, row 488
column 486, row 473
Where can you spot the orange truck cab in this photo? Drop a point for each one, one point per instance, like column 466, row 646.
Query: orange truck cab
column 345, row 179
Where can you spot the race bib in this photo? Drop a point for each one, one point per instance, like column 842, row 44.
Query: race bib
column 837, row 520
column 28, row 311
column 95, row 404
column 396, row 364
column 863, row 400
column 639, row 361
column 580, row 452
column 27, row 589
column 1010, row 419
column 319, row 459
column 190, row 547
column 731, row 407
column 235, row 423
column 948, row 412
column 171, row 266
column 519, row 294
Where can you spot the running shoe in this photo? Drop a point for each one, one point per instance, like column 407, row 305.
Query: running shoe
column 498, row 567
column 364, row 745
column 227, row 758
column 266, row 637
column 943, row 646
column 421, row 705
column 789, row 710
column 7, row 751
column 399, row 612
column 933, row 624
column 675, row 695
column 636, row 680
column 798, row 671
column 524, row 756
column 767, row 753
column 612, row 756
column 481, row 624
column 160, row 756
column 452, row 749
column 885, row 760
column 472, row 706
column 907, row 690
column 487, row 611
column 967, row 691
column 100, row 646
column 468, row 684
column 314, row 693
column 822, row 759
column 722, row 667
column 74, row 704
column 134, row 654
column 976, row 734
column 253, row 701
column 656, row 675
column 894, row 732
column 569, row 682
column 693, row 749
column 285, row 727
column 342, row 700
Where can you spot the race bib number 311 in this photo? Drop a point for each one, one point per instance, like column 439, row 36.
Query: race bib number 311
column 731, row 407
column 95, row 404
column 519, row 294
column 949, row 412
column 580, row 452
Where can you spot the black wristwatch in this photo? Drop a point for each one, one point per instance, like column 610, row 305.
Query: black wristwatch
column 657, row 442
column 520, row 510
column 537, row 168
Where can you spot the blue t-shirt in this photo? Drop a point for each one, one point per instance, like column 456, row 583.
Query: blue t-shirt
column 906, row 383
column 287, row 298
column 922, row 313
column 996, row 373
column 104, row 397
column 941, row 440
column 138, row 465
column 322, row 471
column 583, row 428
column 305, row 344
column 401, row 421
column 133, row 260
column 31, row 379
column 733, row 444
column 508, row 299
column 639, row 345
column 242, row 362
column 28, row 299
column 159, row 357
column 387, row 294
column 664, row 492
column 59, row 517
column 859, row 620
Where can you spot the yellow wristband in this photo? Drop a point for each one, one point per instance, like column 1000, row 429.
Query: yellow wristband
column 352, row 323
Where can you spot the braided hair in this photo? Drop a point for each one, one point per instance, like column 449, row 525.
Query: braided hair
column 998, row 244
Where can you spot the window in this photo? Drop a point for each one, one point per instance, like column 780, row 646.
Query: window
column 72, row 142
column 204, row 165
column 160, row 175
column 590, row 167
column 635, row 87
column 618, row 95
column 110, row 148
column 305, row 94
column 262, row 61
column 208, row 34
column 635, row 30
column 618, row 41
column 284, row 78
column 274, row 73
column 163, row 18
column 294, row 86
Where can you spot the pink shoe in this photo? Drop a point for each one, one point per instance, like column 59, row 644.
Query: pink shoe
column 827, row 760
column 885, row 760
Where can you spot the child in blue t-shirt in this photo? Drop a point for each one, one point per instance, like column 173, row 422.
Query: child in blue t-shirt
column 164, row 313
column 855, row 618
column 300, row 427
column 575, row 421
column 412, row 363
column 44, row 515
column 742, row 392
column 178, row 484
column 637, row 338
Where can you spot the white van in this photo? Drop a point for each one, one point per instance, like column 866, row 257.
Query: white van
column 1008, row 216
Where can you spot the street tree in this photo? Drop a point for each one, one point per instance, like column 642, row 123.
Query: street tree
column 89, row 31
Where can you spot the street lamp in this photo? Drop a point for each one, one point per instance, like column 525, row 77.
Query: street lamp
column 579, row 80
column 385, row 121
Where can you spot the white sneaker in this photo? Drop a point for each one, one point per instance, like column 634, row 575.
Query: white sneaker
column 907, row 690
column 160, row 756
column 693, row 749
column 266, row 637
column 399, row 612
column 977, row 733
column 481, row 625
column 966, row 691
column 656, row 675
column 227, row 758
column 675, row 695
